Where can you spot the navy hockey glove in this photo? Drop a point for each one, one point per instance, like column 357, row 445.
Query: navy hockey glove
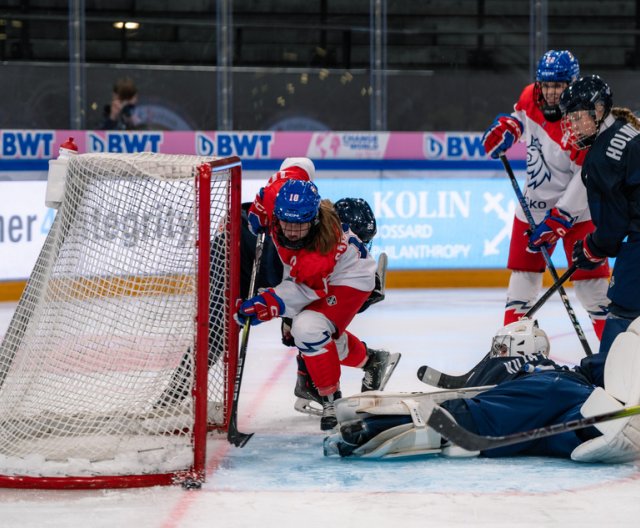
column 254, row 224
column 554, row 226
column 584, row 256
column 263, row 307
column 501, row 135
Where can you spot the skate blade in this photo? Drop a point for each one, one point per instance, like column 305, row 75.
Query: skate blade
column 307, row 407
column 394, row 359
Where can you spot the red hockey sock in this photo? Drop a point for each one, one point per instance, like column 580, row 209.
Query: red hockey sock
column 324, row 369
column 598, row 326
column 357, row 352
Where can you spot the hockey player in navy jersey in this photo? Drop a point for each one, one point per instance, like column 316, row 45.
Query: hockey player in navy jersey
column 611, row 174
column 519, row 388
column 553, row 190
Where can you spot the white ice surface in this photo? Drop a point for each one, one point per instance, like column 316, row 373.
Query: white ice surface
column 281, row 479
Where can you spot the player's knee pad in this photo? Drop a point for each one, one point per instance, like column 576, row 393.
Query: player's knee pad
column 592, row 295
column 311, row 331
column 524, row 286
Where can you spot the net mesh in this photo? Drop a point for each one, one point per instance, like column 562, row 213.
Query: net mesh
column 96, row 367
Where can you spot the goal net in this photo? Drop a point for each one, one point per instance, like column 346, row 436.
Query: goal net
column 118, row 358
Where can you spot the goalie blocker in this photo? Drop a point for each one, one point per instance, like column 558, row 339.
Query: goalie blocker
column 545, row 400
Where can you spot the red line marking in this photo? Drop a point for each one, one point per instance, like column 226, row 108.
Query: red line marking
column 180, row 510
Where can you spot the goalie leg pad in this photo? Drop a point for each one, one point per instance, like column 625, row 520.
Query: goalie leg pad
column 405, row 439
column 391, row 403
column 620, row 440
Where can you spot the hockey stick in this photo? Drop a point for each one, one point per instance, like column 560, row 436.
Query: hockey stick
column 552, row 289
column 234, row 436
column 432, row 376
column 435, row 378
column 442, row 422
column 547, row 258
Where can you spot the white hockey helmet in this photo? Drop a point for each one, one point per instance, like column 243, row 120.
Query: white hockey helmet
column 520, row 338
column 304, row 163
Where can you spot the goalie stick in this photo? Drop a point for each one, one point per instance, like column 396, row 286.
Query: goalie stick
column 234, row 436
column 443, row 423
column 432, row 376
column 545, row 254
column 435, row 378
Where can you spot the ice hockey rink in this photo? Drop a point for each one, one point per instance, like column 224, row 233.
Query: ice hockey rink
column 282, row 479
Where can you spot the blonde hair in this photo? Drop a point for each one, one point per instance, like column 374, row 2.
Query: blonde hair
column 329, row 229
column 627, row 115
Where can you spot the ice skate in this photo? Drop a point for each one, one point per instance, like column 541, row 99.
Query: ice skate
column 329, row 420
column 308, row 401
column 378, row 369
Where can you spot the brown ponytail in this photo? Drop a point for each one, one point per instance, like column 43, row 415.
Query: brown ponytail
column 627, row 115
column 329, row 228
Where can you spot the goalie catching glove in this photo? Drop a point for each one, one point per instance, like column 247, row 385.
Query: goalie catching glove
column 585, row 255
column 555, row 225
column 501, row 135
column 260, row 308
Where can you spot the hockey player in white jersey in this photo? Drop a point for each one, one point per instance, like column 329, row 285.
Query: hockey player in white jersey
column 554, row 191
column 328, row 276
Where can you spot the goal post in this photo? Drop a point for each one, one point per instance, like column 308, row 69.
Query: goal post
column 121, row 353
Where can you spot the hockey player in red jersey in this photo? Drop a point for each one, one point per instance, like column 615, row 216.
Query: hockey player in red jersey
column 554, row 191
column 328, row 275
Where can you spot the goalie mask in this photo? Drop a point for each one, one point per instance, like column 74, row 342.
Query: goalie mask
column 520, row 338
column 554, row 67
column 296, row 213
column 357, row 213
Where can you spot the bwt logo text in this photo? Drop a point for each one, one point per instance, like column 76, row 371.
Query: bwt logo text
column 453, row 146
column 21, row 144
column 125, row 142
column 244, row 145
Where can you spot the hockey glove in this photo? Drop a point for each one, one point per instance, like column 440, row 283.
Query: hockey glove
column 585, row 256
column 263, row 307
column 501, row 135
column 285, row 329
column 554, row 226
column 254, row 224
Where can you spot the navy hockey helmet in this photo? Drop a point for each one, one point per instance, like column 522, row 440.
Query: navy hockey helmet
column 357, row 213
column 297, row 202
column 587, row 93
column 554, row 66
column 520, row 338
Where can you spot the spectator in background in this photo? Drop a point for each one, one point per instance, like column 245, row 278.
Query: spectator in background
column 119, row 115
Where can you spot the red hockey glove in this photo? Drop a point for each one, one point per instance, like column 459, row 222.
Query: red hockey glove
column 263, row 307
column 554, row 226
column 584, row 256
column 501, row 135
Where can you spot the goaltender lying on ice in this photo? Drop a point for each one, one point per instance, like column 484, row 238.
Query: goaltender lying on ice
column 524, row 404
